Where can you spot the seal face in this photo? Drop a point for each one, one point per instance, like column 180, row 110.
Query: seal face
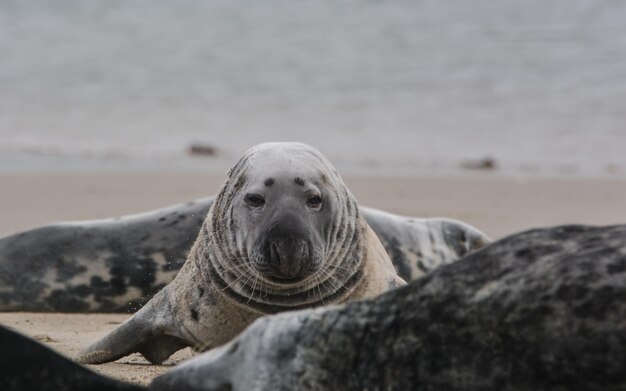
column 284, row 244
column 284, row 233
column 284, row 230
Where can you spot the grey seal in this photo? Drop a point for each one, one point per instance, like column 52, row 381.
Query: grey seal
column 284, row 233
column 540, row 310
column 118, row 264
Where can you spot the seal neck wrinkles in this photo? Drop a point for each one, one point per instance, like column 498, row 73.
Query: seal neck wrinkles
column 227, row 268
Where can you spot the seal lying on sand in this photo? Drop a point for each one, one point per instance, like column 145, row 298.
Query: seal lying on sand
column 540, row 310
column 117, row 265
column 284, row 233
column 26, row 365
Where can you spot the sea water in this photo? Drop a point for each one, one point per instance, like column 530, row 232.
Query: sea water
column 379, row 86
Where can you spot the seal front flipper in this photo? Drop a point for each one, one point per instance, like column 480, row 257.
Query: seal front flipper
column 150, row 332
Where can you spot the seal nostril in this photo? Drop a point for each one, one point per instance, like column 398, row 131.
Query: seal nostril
column 275, row 254
column 287, row 258
column 304, row 253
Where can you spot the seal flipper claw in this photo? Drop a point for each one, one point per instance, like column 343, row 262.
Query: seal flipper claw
column 157, row 350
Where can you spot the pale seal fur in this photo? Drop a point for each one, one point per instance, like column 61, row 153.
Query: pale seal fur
column 118, row 264
column 284, row 233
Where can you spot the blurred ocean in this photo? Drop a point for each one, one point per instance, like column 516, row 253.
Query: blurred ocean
column 379, row 86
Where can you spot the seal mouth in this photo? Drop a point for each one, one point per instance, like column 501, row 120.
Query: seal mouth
column 279, row 280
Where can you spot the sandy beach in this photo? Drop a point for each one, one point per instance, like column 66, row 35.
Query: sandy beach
column 69, row 333
column 498, row 205
column 495, row 204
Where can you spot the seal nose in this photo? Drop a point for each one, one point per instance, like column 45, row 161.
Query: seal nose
column 288, row 257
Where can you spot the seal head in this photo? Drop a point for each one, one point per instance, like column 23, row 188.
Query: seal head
column 284, row 218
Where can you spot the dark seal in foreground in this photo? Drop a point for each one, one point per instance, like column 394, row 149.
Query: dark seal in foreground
column 26, row 365
column 540, row 310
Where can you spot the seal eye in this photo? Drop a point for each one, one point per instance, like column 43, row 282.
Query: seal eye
column 254, row 200
column 314, row 202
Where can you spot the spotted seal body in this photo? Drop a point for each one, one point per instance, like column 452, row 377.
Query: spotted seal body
column 419, row 246
column 117, row 265
column 284, row 233
column 540, row 310
column 111, row 265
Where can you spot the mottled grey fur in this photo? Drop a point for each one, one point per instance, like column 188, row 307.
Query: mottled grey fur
column 117, row 265
column 540, row 310
column 111, row 265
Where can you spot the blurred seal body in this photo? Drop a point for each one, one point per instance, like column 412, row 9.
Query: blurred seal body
column 284, row 233
column 27, row 365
